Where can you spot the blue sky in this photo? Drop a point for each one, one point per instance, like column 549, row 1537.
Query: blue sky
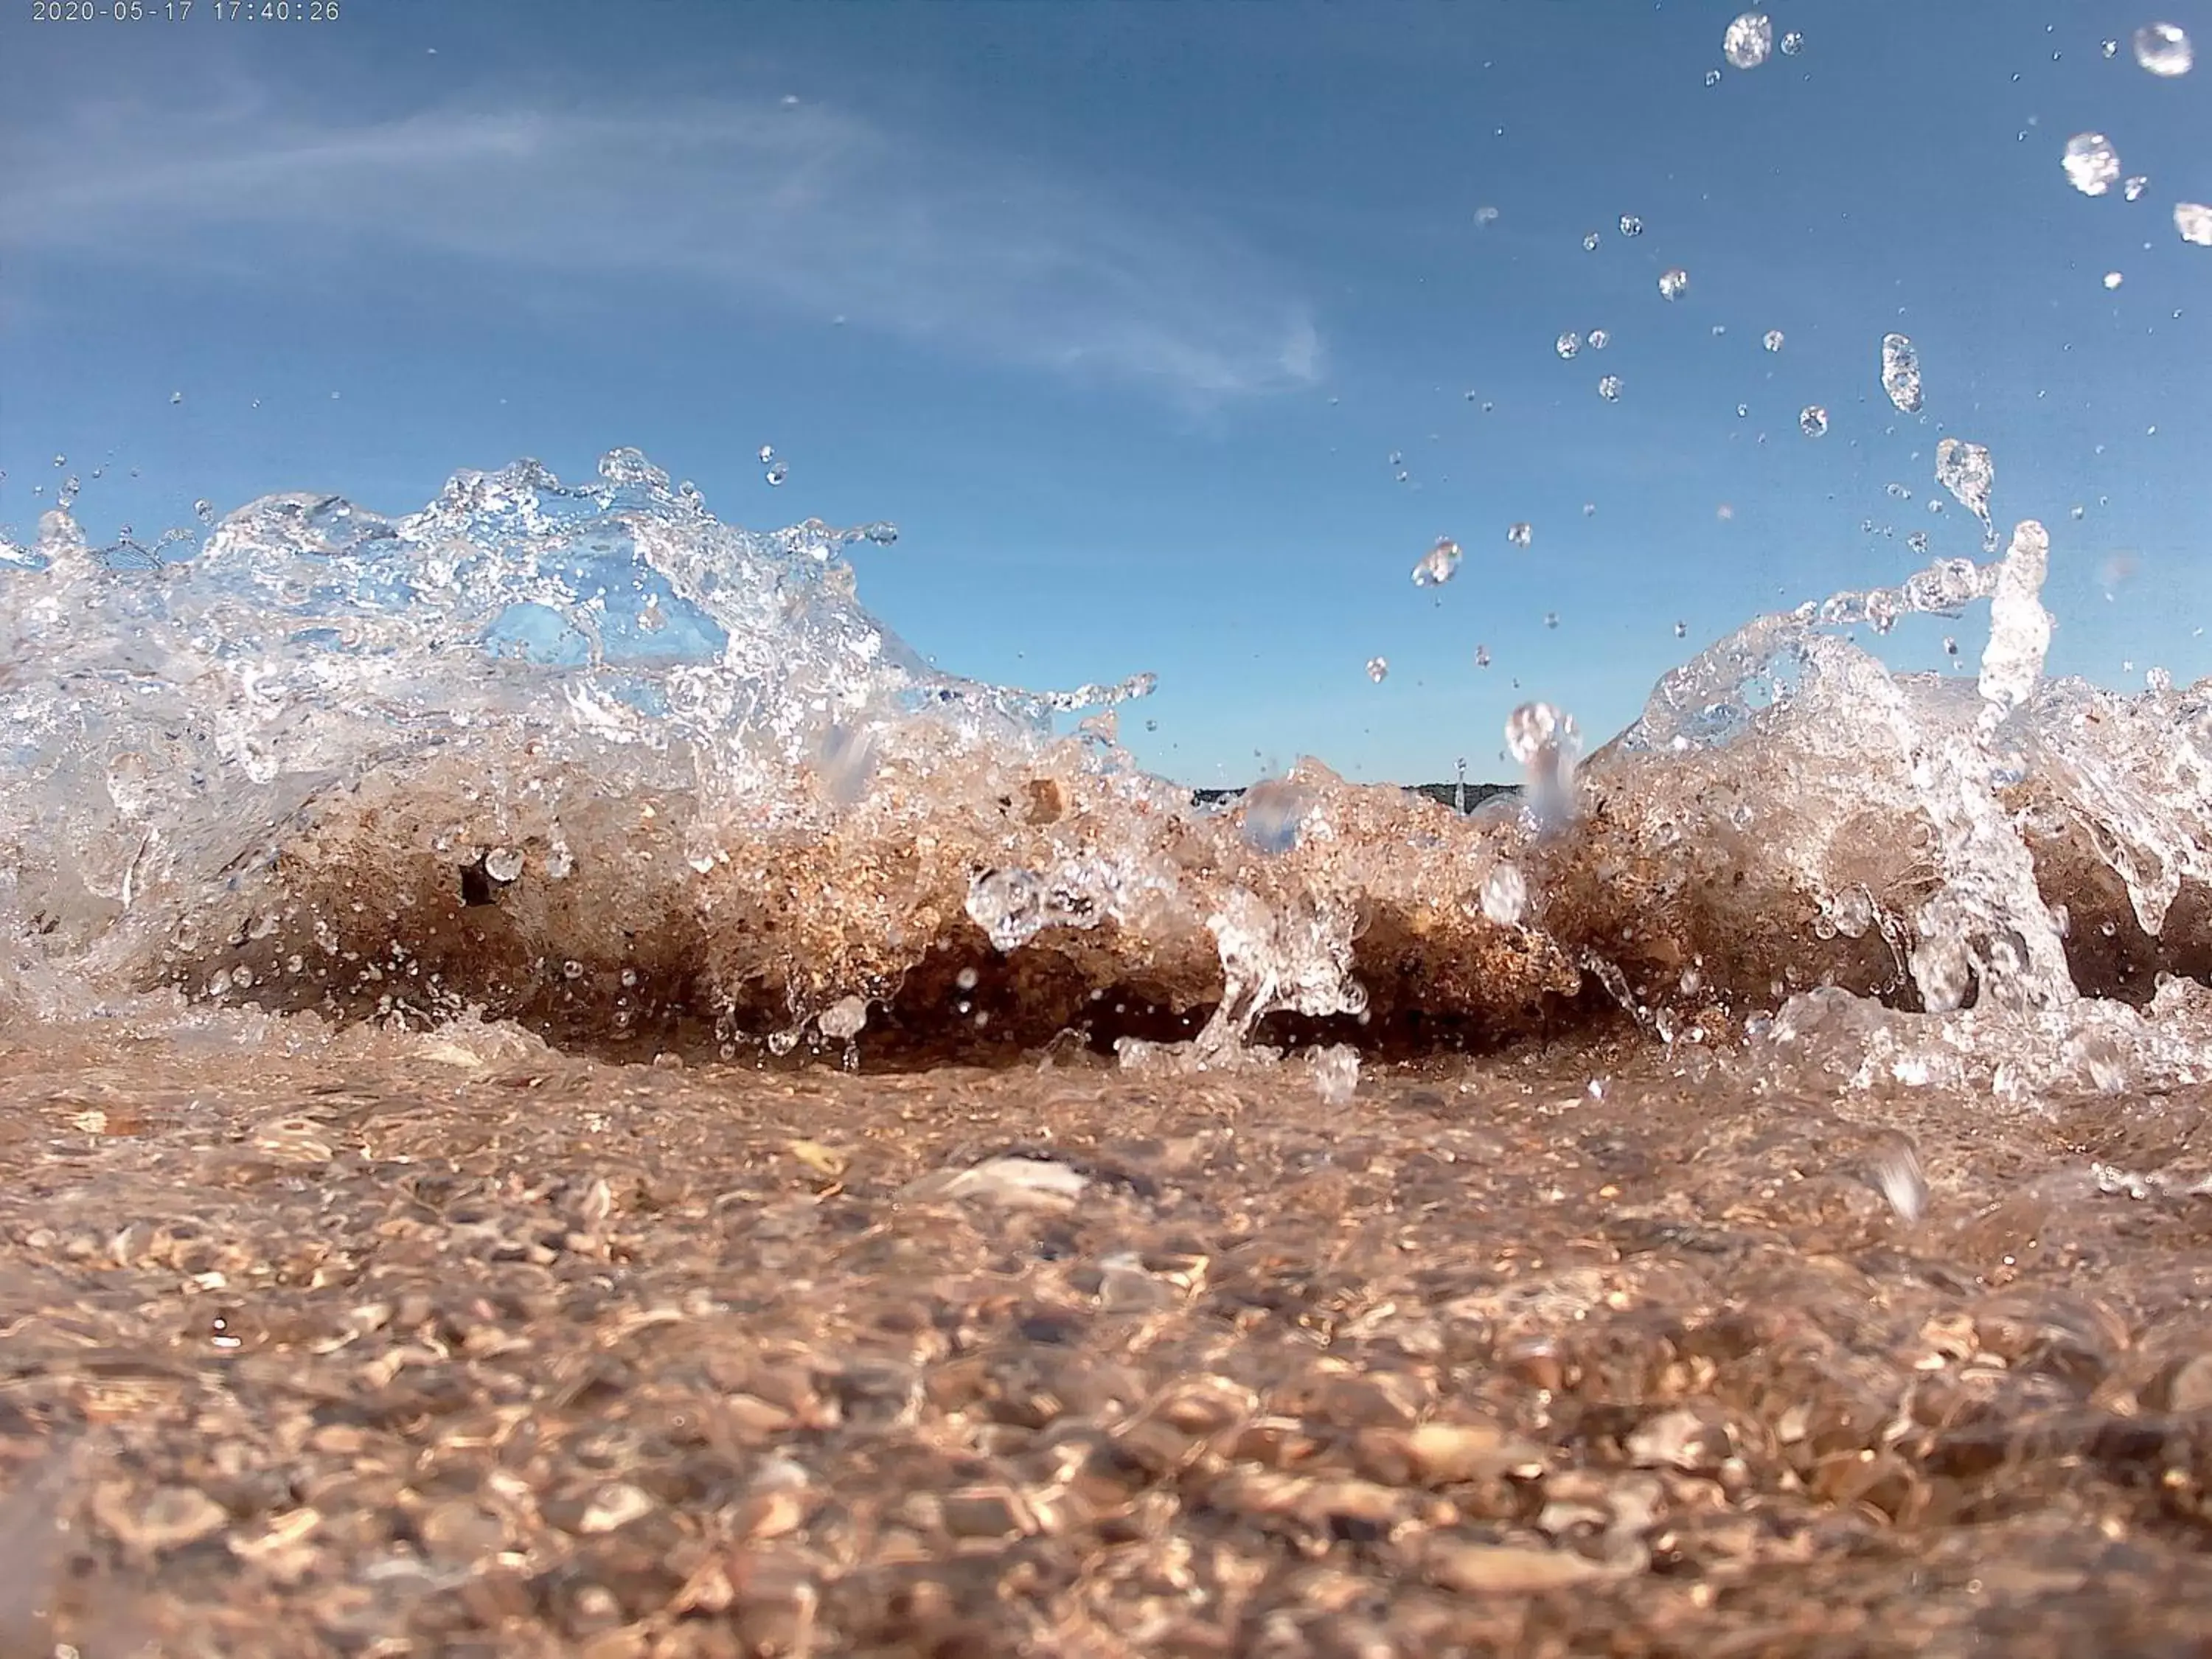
column 1121, row 313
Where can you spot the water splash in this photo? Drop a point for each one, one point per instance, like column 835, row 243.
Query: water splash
column 2091, row 164
column 2164, row 49
column 1749, row 40
column 1439, row 565
column 1900, row 372
column 1968, row 473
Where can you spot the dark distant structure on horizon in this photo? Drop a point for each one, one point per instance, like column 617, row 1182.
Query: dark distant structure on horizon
column 1444, row 794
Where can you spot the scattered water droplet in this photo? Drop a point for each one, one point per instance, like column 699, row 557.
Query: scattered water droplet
column 1813, row 421
column 2194, row 221
column 1439, row 565
column 777, row 472
column 1749, row 40
column 1742, row 410
column 1504, row 894
column 1631, row 225
column 1568, row 344
column 1609, row 388
column 2113, row 279
column 1681, row 630
column 767, row 453
column 2111, row 49
column 2136, row 185
column 1897, row 1175
column 1520, row 535
column 1900, row 372
column 205, row 510
column 1773, row 340
column 1917, row 540
column 1673, row 282
column 1378, row 669
column 1792, row 44
column 1485, row 215
column 1590, row 242
column 1599, row 339
column 2164, row 49
column 1550, row 619
column 176, row 397
column 2092, row 165
column 1482, row 656
column 1712, row 77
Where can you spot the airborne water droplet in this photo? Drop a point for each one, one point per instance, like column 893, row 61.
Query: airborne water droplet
column 1520, row 535
column 1773, row 341
column 2164, row 49
column 2133, row 189
column 2092, row 165
column 1712, row 77
column 176, row 397
column 1590, row 242
column 1813, row 421
column 1900, row 372
column 1378, row 669
column 1968, row 473
column 2194, row 221
column 1482, row 656
column 1609, row 388
column 1568, row 344
column 1749, row 40
column 2113, row 279
column 776, row 473
column 1439, row 565
column 1673, row 282
column 1792, row 44
column 1631, row 225
column 1599, row 339
column 767, row 453
column 1681, row 630
column 205, row 511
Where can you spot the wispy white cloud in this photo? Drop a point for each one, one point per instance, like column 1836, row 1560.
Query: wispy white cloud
column 812, row 210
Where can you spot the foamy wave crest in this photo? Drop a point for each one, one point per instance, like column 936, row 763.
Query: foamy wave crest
column 587, row 759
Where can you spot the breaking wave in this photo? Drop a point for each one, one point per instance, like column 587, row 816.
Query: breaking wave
column 586, row 759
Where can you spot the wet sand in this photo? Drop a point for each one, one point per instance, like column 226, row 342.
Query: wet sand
column 402, row 1349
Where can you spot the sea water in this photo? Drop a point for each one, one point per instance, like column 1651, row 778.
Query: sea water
column 586, row 758
column 490, row 995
